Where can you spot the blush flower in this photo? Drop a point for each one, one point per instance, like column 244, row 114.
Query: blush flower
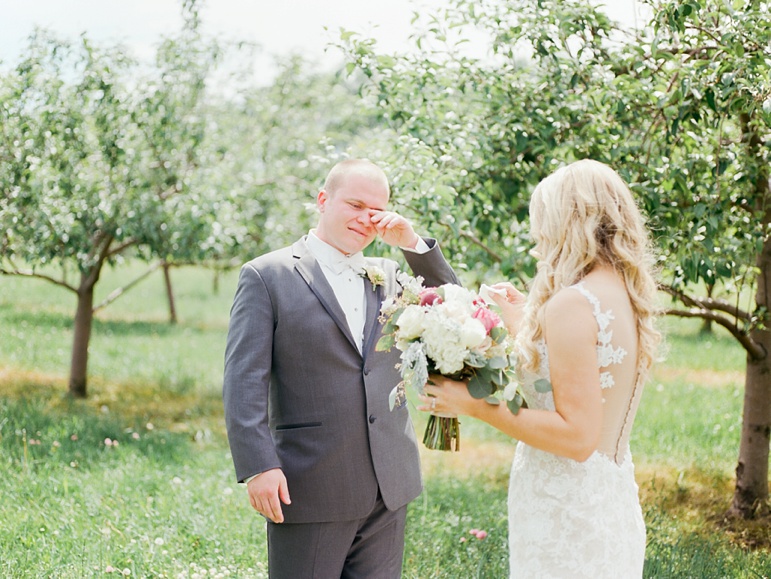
column 488, row 318
column 429, row 297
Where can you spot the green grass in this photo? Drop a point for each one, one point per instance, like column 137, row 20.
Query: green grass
column 163, row 501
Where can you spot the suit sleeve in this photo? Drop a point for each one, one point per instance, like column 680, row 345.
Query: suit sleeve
column 431, row 265
column 248, row 356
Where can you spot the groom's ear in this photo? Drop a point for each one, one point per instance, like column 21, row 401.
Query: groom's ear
column 321, row 200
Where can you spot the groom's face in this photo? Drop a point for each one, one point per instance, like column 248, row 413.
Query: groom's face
column 345, row 214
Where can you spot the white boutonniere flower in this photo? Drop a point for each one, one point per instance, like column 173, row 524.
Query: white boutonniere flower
column 375, row 275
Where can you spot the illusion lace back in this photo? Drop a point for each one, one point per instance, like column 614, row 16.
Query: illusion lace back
column 582, row 519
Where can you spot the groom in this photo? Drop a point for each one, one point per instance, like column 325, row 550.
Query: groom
column 306, row 395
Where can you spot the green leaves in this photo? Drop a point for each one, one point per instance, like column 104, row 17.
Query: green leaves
column 542, row 386
column 490, row 379
column 385, row 343
column 481, row 385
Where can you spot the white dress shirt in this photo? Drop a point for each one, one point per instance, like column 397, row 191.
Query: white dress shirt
column 345, row 274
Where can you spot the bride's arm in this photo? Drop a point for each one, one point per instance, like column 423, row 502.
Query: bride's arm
column 573, row 430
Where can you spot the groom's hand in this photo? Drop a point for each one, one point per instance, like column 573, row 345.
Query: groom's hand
column 393, row 229
column 266, row 493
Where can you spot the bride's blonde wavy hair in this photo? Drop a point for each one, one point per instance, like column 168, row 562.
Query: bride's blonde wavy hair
column 581, row 216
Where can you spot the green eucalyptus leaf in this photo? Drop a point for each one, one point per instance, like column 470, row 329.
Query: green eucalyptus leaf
column 498, row 334
column 479, row 387
column 385, row 343
column 392, row 398
column 542, row 385
column 515, row 403
column 476, row 360
column 499, row 378
column 497, row 363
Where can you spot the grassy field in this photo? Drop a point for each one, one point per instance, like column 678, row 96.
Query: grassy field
column 137, row 481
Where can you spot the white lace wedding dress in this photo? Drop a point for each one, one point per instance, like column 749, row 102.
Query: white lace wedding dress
column 570, row 519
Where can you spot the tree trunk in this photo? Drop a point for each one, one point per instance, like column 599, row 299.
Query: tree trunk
column 751, row 493
column 169, row 293
column 706, row 326
column 82, row 335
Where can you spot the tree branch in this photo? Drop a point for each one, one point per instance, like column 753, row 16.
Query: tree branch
column 709, row 304
column 31, row 273
column 753, row 349
column 115, row 294
column 119, row 248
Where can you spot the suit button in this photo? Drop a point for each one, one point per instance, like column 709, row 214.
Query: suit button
column 366, row 371
column 372, row 419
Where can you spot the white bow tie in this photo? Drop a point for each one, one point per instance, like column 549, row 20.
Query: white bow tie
column 355, row 262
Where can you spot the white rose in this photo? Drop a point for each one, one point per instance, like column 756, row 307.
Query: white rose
column 410, row 323
column 472, row 333
column 458, row 294
column 452, row 311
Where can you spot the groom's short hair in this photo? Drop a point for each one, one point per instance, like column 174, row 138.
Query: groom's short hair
column 363, row 167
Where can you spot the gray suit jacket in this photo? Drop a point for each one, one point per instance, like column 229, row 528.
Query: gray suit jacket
column 300, row 396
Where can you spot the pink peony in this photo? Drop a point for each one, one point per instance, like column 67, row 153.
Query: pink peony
column 429, row 297
column 488, row 318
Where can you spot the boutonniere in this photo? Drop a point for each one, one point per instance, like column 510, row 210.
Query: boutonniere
column 375, row 275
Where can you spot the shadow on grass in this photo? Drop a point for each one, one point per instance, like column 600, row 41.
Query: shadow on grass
column 59, row 320
column 689, row 534
column 42, row 427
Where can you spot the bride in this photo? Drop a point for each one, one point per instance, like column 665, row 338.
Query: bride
column 587, row 328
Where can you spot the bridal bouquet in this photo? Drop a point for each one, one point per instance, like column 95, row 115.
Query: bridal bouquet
column 446, row 330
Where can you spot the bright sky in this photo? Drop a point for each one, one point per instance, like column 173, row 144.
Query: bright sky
column 278, row 26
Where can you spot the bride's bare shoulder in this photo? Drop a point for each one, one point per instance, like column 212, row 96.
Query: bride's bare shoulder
column 567, row 304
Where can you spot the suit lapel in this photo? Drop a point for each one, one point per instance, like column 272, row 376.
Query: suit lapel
column 374, row 298
column 309, row 269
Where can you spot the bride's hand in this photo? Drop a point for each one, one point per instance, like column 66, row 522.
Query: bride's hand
column 512, row 304
column 446, row 396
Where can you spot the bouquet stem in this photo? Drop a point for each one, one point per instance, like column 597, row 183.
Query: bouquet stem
column 442, row 433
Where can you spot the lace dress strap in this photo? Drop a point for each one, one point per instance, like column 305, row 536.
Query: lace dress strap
column 606, row 353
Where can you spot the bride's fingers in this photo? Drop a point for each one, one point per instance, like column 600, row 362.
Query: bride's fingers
column 428, row 403
column 512, row 294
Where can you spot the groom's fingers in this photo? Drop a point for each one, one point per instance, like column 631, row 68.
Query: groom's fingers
column 273, row 509
column 283, row 493
column 264, row 494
